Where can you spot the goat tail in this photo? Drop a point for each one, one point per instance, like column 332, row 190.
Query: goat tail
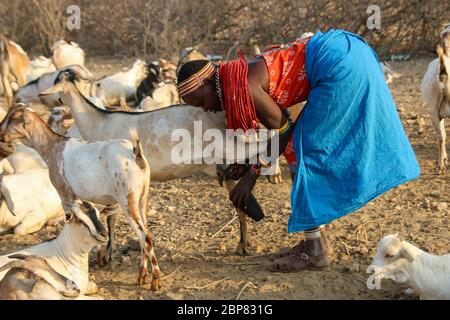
column 3, row 44
column 4, row 48
column 137, row 150
column 439, row 51
column 442, row 69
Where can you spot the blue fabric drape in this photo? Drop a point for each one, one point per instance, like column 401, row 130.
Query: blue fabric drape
column 349, row 141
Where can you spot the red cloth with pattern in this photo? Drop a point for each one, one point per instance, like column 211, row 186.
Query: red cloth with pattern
column 288, row 85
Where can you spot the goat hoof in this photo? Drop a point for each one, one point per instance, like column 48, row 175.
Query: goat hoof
column 143, row 273
column 272, row 179
column 103, row 257
column 156, row 284
column 279, row 179
column 275, row 179
column 242, row 250
column 442, row 166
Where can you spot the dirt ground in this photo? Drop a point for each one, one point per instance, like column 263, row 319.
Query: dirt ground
column 201, row 264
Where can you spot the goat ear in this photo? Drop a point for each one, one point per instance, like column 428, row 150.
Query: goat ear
column 53, row 90
column 68, row 216
column 397, row 236
column 28, row 115
column 18, row 112
column 406, row 253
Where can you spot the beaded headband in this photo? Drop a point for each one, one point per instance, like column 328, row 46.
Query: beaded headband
column 196, row 80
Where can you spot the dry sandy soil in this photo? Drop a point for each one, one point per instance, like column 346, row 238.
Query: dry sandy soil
column 201, row 264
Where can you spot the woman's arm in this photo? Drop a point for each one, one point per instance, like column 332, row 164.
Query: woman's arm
column 271, row 116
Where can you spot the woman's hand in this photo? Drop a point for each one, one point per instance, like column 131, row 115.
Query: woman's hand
column 236, row 171
column 241, row 192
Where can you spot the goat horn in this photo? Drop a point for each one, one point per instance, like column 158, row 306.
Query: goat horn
column 6, row 149
column 79, row 71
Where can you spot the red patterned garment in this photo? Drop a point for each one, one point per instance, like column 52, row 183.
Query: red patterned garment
column 288, row 85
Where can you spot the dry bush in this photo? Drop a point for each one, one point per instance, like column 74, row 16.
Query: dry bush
column 154, row 28
column 35, row 24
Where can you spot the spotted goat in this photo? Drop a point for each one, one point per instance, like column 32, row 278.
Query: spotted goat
column 103, row 172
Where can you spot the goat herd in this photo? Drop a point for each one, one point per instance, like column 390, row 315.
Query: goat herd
column 58, row 168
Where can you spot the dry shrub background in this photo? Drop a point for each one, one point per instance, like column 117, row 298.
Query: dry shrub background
column 159, row 28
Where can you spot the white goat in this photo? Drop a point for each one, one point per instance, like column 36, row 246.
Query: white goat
column 426, row 274
column 65, row 54
column 14, row 64
column 161, row 97
column 56, row 269
column 435, row 90
column 24, row 158
column 154, row 128
column 38, row 67
column 118, row 88
column 30, row 92
column 28, row 202
column 103, row 172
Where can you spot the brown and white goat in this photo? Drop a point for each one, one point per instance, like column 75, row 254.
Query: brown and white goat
column 14, row 64
column 59, row 268
column 103, row 172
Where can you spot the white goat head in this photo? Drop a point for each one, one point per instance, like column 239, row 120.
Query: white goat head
column 70, row 74
column 83, row 217
column 390, row 261
column 141, row 70
column 390, row 249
